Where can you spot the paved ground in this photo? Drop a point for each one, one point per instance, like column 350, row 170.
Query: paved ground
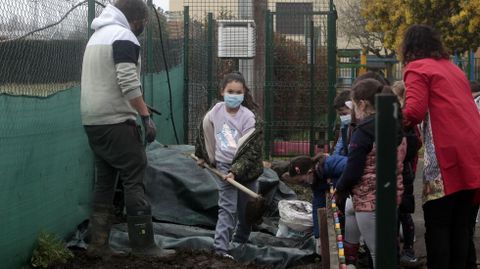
column 419, row 223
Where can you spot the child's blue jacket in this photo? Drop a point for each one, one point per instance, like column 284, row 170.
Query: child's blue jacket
column 332, row 169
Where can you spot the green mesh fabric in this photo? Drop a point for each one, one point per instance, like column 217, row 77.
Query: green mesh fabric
column 46, row 165
column 46, row 171
column 158, row 97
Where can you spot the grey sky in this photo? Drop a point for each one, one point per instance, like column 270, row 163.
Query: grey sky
column 164, row 4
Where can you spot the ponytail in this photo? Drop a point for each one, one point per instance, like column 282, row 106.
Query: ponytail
column 248, row 99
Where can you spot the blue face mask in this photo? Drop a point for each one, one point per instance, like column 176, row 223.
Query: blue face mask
column 346, row 119
column 233, row 100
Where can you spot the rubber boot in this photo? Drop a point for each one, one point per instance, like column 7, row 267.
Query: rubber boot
column 140, row 234
column 99, row 228
column 351, row 254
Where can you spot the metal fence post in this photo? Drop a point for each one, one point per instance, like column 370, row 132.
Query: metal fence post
column 268, row 81
column 150, row 66
column 186, row 35
column 312, row 84
column 210, row 89
column 332, row 67
column 91, row 16
column 471, row 65
column 386, row 211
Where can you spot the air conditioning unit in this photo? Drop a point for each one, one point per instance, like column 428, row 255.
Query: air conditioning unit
column 236, row 38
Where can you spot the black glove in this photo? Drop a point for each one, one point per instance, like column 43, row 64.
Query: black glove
column 149, row 128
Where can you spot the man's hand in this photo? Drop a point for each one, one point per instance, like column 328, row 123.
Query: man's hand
column 150, row 128
column 230, row 176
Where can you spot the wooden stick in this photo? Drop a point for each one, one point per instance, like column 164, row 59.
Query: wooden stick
column 324, row 240
column 231, row 181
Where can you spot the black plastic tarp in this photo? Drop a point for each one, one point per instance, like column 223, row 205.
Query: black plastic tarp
column 184, row 206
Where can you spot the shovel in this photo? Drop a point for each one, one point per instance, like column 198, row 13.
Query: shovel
column 255, row 205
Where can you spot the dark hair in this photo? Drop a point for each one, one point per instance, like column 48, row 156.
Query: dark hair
column 341, row 98
column 422, row 41
column 133, row 9
column 474, row 86
column 367, row 89
column 303, row 163
column 238, row 77
column 372, row 75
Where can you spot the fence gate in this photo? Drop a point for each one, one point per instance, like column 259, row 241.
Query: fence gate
column 300, row 77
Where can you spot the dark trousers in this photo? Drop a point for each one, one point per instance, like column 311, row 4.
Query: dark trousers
column 472, row 254
column 118, row 148
column 447, row 236
column 408, row 229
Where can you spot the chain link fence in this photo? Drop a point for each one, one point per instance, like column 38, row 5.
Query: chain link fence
column 42, row 44
column 202, row 71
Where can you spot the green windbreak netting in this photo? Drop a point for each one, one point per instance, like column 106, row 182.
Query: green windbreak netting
column 158, row 97
column 46, row 171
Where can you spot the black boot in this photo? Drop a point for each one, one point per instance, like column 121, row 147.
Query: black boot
column 99, row 228
column 140, row 234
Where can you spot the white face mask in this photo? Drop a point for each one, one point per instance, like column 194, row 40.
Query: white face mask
column 346, row 119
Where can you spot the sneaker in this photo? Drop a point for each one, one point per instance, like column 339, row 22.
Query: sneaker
column 408, row 259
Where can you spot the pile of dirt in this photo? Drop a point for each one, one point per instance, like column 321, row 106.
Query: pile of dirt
column 184, row 259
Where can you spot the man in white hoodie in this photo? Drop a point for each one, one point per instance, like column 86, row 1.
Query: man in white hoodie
column 111, row 99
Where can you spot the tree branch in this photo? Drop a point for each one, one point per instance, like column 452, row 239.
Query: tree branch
column 50, row 25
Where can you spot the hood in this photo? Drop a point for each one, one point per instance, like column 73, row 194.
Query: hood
column 110, row 16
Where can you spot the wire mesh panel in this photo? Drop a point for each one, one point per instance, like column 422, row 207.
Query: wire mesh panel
column 285, row 68
column 41, row 45
column 223, row 37
column 297, row 81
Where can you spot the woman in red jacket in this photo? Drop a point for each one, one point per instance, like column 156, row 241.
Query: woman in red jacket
column 438, row 94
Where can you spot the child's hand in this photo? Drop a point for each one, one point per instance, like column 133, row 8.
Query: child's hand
column 201, row 163
column 229, row 176
column 267, row 164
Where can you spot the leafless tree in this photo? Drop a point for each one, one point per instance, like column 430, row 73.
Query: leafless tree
column 351, row 26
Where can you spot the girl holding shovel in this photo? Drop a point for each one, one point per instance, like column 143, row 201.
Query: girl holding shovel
column 230, row 139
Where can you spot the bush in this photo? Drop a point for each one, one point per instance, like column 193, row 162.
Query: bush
column 49, row 251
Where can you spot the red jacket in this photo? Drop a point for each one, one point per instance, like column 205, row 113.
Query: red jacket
column 441, row 88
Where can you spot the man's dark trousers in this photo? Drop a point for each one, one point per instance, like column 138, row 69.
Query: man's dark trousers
column 119, row 148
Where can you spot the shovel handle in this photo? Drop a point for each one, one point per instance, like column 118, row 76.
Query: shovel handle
column 230, row 180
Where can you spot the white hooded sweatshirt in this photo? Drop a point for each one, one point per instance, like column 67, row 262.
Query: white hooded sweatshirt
column 110, row 71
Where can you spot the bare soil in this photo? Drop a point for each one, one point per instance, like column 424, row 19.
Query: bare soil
column 184, row 259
